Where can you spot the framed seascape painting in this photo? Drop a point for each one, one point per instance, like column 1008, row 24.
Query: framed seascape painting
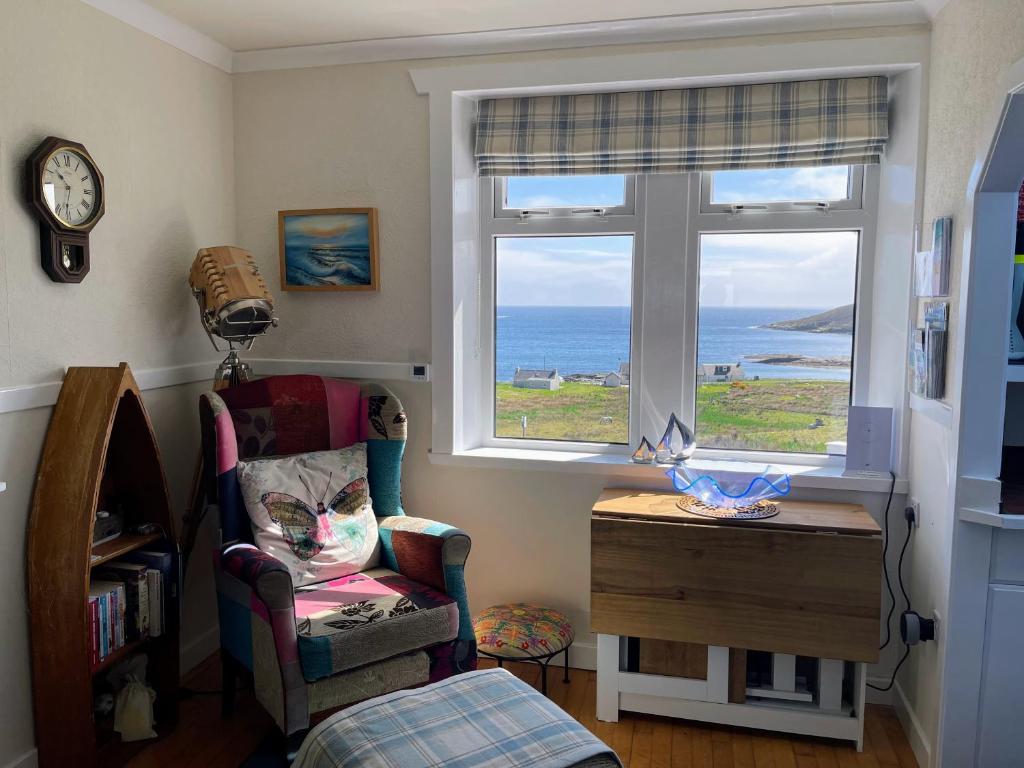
column 329, row 249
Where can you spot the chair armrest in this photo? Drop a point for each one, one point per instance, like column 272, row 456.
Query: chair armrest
column 253, row 588
column 422, row 549
column 434, row 554
column 267, row 576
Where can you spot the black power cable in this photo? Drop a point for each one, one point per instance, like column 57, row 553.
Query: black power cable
column 892, row 680
column 906, row 597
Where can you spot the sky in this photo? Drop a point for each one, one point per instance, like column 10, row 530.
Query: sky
column 544, row 191
column 564, row 271
column 799, row 270
column 347, row 229
column 781, row 184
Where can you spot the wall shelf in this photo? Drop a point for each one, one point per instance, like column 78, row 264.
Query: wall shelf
column 936, row 410
column 993, row 519
column 122, row 545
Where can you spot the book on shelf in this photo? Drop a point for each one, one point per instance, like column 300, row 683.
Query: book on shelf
column 94, row 632
column 106, row 602
column 927, row 355
column 137, row 608
column 162, row 586
column 129, row 602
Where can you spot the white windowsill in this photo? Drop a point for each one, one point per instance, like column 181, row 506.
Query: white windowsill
column 830, row 477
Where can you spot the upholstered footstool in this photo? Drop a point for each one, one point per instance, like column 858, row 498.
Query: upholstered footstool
column 485, row 718
column 524, row 632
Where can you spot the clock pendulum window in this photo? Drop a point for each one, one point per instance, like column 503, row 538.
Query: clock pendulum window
column 66, row 190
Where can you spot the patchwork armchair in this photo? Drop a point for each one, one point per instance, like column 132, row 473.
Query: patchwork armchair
column 314, row 649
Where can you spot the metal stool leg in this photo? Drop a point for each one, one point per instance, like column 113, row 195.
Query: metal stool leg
column 565, row 679
column 544, row 678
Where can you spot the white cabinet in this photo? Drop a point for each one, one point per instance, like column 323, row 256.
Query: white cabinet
column 1001, row 738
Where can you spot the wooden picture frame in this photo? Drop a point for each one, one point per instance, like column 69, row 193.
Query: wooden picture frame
column 321, row 249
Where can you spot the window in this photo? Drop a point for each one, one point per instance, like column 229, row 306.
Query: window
column 525, row 196
column 562, row 326
column 729, row 298
column 781, row 189
column 564, row 191
column 775, row 339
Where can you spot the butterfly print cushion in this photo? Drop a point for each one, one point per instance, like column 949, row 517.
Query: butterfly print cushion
column 312, row 511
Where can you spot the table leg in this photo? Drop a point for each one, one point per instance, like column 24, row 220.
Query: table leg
column 608, row 678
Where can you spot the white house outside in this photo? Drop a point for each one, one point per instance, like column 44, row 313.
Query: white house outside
column 531, row 378
column 708, row 373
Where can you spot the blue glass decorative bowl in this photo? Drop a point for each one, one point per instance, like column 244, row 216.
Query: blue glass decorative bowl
column 729, row 484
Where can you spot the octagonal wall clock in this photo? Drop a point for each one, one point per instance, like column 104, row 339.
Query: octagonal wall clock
column 66, row 190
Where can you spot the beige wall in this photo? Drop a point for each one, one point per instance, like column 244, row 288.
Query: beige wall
column 974, row 42
column 159, row 124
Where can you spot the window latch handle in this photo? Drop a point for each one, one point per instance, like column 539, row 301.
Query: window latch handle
column 741, row 207
column 822, row 206
column 526, row 214
column 591, row 211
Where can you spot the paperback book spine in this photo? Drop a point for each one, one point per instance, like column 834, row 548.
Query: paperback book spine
column 104, row 620
column 156, row 602
column 94, row 633
column 120, row 615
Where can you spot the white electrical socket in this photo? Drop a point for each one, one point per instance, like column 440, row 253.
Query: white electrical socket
column 917, row 511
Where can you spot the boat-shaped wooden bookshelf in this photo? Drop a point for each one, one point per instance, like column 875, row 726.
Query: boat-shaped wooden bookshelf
column 100, row 452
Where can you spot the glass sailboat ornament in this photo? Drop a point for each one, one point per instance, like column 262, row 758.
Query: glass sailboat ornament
column 677, row 444
column 644, row 454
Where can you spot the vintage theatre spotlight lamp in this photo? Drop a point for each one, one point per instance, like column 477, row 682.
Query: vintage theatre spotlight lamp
column 234, row 306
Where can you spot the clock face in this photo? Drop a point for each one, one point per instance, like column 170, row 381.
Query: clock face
column 70, row 189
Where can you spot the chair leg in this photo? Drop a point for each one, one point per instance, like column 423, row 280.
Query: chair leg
column 565, row 679
column 544, row 678
column 292, row 744
column 229, row 682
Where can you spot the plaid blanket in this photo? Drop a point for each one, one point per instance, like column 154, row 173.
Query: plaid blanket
column 485, row 719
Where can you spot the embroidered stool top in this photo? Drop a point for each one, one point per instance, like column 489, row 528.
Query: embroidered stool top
column 522, row 631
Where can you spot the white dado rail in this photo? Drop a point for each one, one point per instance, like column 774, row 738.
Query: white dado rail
column 44, row 395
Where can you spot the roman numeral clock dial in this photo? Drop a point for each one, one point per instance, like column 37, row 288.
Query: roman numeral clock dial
column 66, row 189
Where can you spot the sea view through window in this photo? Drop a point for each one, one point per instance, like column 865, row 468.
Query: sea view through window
column 774, row 316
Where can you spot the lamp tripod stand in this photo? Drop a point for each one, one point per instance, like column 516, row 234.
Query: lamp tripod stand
column 231, row 371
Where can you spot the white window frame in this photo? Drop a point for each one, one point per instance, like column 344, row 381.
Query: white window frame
column 668, row 216
column 502, row 211
column 853, row 201
column 861, row 219
column 557, row 222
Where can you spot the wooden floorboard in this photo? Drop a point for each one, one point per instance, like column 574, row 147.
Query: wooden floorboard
column 204, row 740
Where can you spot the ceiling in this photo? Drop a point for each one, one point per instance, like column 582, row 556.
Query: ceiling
column 247, row 25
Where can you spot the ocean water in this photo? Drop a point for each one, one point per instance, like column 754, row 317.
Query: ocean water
column 596, row 339
column 328, row 266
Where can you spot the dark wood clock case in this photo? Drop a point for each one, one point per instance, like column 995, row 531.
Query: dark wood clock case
column 64, row 249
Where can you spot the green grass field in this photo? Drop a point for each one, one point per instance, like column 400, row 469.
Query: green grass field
column 771, row 414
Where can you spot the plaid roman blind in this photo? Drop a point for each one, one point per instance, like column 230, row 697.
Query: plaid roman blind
column 773, row 125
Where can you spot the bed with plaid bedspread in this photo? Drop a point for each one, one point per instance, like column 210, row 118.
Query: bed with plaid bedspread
column 485, row 719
